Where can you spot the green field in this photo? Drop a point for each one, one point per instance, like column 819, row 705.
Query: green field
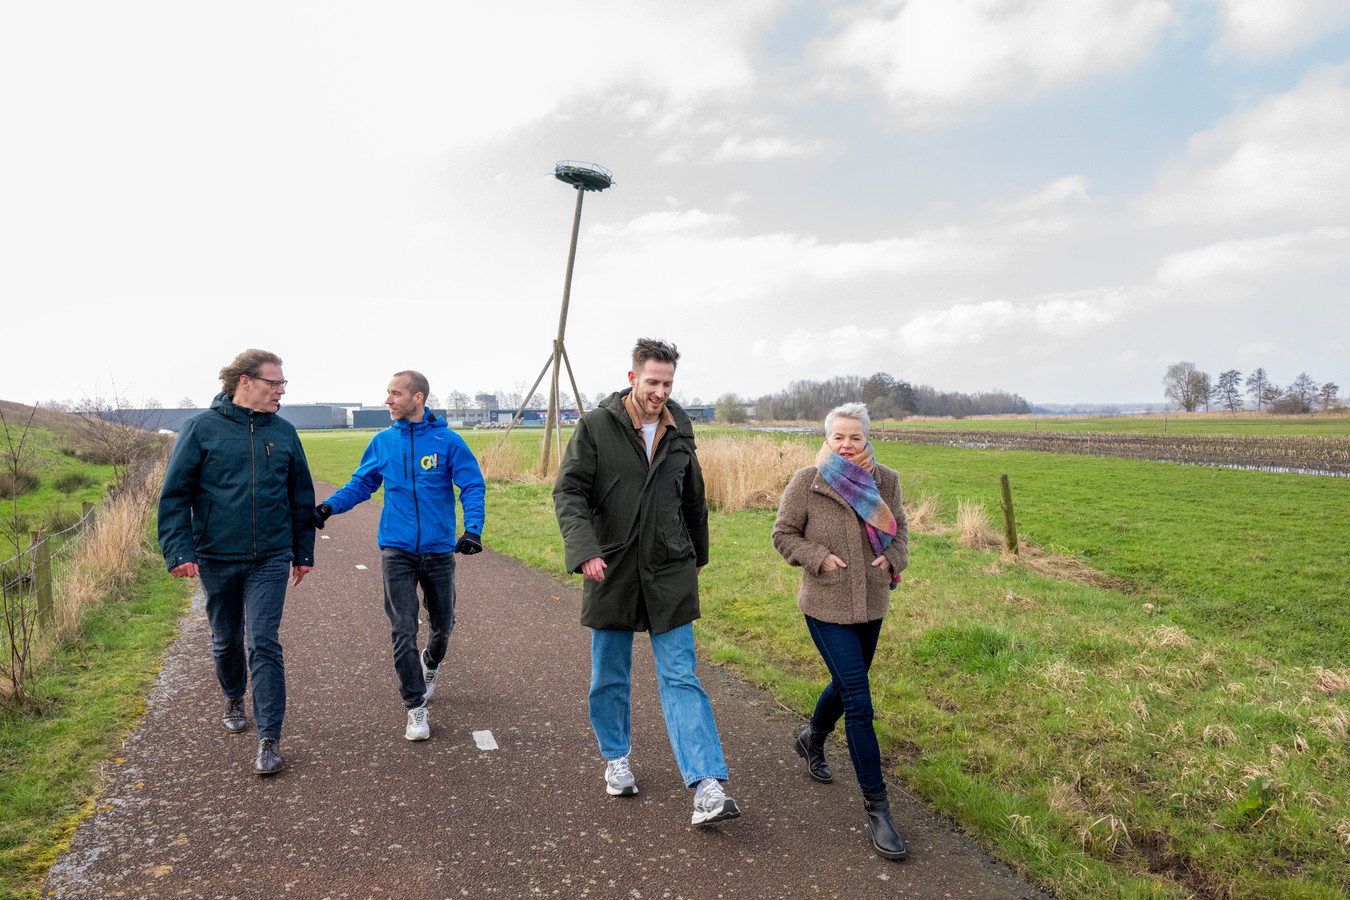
column 64, row 483
column 1321, row 425
column 1183, row 734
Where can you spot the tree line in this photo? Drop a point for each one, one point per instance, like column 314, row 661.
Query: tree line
column 886, row 397
column 1189, row 388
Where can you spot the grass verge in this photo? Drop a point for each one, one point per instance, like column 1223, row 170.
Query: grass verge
column 91, row 692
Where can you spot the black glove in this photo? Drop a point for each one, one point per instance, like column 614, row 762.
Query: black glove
column 320, row 515
column 469, row 544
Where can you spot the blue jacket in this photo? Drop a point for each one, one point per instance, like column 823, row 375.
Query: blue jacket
column 419, row 464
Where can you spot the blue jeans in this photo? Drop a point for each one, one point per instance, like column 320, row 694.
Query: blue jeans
column 244, row 601
column 848, row 651
column 403, row 572
column 688, row 711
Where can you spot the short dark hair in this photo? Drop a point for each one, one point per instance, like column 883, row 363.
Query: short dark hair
column 653, row 350
column 417, row 383
column 249, row 363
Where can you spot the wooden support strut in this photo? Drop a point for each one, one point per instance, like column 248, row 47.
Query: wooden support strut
column 1009, row 521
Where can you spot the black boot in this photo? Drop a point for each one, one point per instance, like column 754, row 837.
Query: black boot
column 886, row 841
column 810, row 746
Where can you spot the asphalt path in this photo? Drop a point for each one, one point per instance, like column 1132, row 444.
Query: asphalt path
column 506, row 799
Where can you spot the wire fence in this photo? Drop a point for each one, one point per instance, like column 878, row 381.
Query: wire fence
column 31, row 581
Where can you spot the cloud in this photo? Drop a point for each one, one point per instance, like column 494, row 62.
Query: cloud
column 1262, row 28
column 1285, row 161
column 1242, row 266
column 937, row 59
column 765, row 148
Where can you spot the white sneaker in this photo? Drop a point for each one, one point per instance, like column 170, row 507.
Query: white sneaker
column 418, row 729
column 619, row 780
column 711, row 804
column 428, row 676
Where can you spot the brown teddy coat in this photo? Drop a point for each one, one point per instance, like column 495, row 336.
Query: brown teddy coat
column 813, row 522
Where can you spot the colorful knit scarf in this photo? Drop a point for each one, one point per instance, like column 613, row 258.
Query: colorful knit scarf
column 854, row 482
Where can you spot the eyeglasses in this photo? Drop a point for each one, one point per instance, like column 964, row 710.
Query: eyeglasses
column 275, row 385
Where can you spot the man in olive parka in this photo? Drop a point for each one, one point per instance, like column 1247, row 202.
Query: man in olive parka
column 630, row 504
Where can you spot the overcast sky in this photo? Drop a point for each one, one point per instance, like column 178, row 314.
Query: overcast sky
column 1057, row 198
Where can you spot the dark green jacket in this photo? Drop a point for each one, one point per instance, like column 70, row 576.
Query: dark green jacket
column 648, row 522
column 237, row 488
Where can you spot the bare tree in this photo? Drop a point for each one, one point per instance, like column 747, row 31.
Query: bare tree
column 1271, row 394
column 730, row 409
column 433, row 402
column 1256, row 387
column 485, row 401
column 1229, row 390
column 109, row 433
column 1326, row 395
column 1186, row 385
column 19, row 602
column 1304, row 390
column 187, row 403
column 457, row 401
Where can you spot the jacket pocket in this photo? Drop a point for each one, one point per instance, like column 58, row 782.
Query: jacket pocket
column 201, row 517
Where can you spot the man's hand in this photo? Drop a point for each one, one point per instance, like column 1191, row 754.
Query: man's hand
column 300, row 572
column 186, row 570
column 833, row 562
column 320, row 515
column 469, row 544
column 594, row 569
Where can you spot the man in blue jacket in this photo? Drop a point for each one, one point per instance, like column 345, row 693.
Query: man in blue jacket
column 235, row 509
column 420, row 462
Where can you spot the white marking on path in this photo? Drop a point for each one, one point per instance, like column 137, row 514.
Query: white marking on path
column 323, row 537
column 360, row 567
column 484, row 740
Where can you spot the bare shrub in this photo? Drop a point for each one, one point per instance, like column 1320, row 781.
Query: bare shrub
column 72, row 480
column 973, row 528
column 16, row 483
column 750, row 474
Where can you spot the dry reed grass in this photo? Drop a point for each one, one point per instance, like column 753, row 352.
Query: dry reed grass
column 922, row 516
column 1065, row 567
column 1330, row 682
column 973, row 527
column 106, row 561
column 740, row 474
column 514, row 461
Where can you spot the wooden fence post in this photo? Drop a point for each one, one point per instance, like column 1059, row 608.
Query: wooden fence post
column 42, row 575
column 1009, row 522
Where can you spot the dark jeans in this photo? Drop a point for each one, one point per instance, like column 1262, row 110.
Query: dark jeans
column 848, row 651
column 243, row 604
column 403, row 572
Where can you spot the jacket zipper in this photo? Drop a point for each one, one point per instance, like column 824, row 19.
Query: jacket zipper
column 417, row 514
column 253, row 466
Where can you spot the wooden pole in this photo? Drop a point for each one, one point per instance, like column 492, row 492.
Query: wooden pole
column 42, row 575
column 553, row 411
column 1009, row 522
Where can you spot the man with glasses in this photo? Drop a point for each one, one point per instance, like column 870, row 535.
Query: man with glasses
column 235, row 510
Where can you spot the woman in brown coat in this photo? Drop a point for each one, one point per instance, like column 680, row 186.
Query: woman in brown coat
column 842, row 521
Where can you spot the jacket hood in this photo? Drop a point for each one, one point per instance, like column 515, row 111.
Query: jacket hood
column 428, row 422
column 228, row 408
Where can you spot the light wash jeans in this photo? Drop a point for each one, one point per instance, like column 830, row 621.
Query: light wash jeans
column 244, row 601
column 688, row 711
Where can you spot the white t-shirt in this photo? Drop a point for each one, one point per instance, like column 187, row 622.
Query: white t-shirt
column 649, row 435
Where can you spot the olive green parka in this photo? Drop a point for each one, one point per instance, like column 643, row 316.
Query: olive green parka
column 648, row 522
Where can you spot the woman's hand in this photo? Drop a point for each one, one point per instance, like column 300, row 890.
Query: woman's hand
column 831, row 563
column 883, row 562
